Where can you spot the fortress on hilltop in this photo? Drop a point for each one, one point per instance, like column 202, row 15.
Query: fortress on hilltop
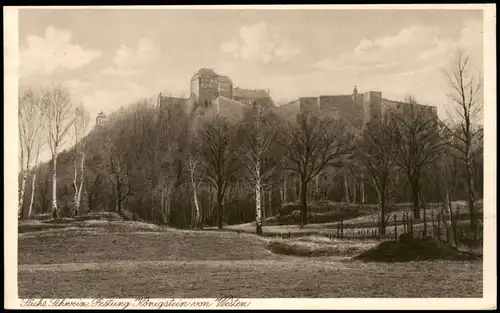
column 217, row 92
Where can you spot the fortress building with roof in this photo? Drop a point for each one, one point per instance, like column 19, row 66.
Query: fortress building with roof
column 209, row 89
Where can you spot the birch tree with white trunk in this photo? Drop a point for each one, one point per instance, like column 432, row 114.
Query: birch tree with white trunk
column 193, row 161
column 30, row 115
column 40, row 143
column 82, row 119
column 59, row 112
column 347, row 198
column 257, row 133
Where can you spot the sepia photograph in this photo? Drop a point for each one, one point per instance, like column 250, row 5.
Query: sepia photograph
column 232, row 157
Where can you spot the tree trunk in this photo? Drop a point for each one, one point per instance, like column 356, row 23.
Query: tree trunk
column 282, row 196
column 160, row 212
column 32, row 193
column 162, row 203
column 258, row 208
column 424, row 206
column 298, row 186
column 263, row 201
column 166, row 213
column 119, row 207
column 80, row 188
column 196, row 205
column 90, row 200
column 220, row 207
column 382, row 215
column 55, row 213
column 44, row 199
column 471, row 199
column 33, row 183
column 415, row 198
column 21, row 194
column 75, row 187
column 362, row 189
column 346, row 189
column 303, row 201
column 448, row 205
column 354, row 191
column 284, row 188
column 316, row 189
column 203, row 209
column 210, row 211
column 269, row 203
column 381, row 200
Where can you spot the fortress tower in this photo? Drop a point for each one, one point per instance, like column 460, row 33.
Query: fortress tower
column 372, row 106
column 100, row 119
column 206, row 85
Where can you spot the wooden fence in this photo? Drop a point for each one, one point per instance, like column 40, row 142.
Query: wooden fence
column 438, row 226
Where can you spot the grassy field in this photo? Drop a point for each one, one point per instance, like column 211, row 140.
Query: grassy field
column 101, row 259
column 251, row 279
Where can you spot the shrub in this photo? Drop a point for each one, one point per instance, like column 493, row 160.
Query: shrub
column 405, row 238
column 415, row 250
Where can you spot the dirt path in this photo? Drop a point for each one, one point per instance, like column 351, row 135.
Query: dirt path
column 133, row 265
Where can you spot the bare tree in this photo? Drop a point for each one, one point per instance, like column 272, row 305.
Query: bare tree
column 134, row 162
column 30, row 114
column 465, row 94
column 92, row 189
column 257, row 133
column 314, row 143
column 58, row 109
column 193, row 162
column 80, row 125
column 417, row 135
column 173, row 126
column 375, row 153
column 119, row 178
column 445, row 174
column 220, row 159
column 95, row 172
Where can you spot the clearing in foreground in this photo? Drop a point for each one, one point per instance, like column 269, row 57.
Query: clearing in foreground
column 98, row 260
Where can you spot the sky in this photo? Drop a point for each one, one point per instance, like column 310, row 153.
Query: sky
column 109, row 58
